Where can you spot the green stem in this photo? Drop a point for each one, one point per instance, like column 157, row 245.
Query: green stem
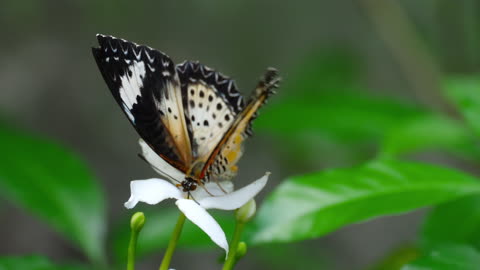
column 136, row 224
column 167, row 258
column 131, row 251
column 231, row 259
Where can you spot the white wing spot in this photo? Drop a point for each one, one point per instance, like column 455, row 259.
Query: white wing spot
column 151, row 68
column 239, row 103
column 150, row 59
column 165, row 63
column 131, row 85
column 139, row 55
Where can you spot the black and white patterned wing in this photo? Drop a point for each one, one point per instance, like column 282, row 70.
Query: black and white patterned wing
column 145, row 84
column 212, row 101
column 221, row 164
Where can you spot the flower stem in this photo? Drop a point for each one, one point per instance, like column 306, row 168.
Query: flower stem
column 167, row 258
column 231, row 259
column 131, row 252
column 136, row 224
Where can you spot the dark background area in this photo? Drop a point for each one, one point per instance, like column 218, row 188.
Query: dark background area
column 49, row 84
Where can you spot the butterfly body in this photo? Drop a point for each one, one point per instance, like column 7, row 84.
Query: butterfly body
column 191, row 116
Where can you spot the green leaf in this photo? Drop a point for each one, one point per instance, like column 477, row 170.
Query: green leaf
column 33, row 263
column 430, row 132
column 158, row 228
column 463, row 215
column 313, row 205
column 447, row 257
column 54, row 184
column 464, row 92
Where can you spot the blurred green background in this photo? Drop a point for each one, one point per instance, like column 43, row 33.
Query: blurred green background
column 352, row 69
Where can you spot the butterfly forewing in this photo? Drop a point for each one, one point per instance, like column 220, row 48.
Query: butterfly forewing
column 145, row 84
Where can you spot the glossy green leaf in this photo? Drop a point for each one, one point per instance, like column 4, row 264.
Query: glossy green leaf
column 313, row 205
column 448, row 257
column 54, row 184
column 464, row 92
column 34, row 263
column 463, row 215
column 158, row 229
column 430, row 132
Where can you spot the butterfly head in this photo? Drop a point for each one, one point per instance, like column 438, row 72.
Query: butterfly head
column 189, row 184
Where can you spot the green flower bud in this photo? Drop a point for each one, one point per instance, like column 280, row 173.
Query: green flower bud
column 137, row 221
column 245, row 213
column 241, row 250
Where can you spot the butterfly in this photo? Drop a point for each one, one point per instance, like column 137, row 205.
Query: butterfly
column 191, row 116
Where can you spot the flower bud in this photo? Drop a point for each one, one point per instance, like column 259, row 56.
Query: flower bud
column 137, row 221
column 241, row 250
column 245, row 213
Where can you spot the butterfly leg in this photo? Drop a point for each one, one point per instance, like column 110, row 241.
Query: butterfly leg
column 220, row 186
column 206, row 190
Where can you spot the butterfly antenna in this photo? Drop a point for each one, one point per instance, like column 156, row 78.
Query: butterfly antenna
column 156, row 168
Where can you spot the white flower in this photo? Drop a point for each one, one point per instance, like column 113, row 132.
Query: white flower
column 153, row 191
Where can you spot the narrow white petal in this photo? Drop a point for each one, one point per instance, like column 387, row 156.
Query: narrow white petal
column 159, row 164
column 151, row 191
column 235, row 199
column 213, row 188
column 200, row 217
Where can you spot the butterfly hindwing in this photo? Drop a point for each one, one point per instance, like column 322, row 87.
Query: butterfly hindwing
column 222, row 162
column 212, row 101
column 145, row 84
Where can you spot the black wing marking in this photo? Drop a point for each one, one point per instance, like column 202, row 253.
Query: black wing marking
column 144, row 83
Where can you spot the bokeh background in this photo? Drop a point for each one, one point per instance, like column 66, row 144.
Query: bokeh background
column 50, row 85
